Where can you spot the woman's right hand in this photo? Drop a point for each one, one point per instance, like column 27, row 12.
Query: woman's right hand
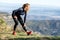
column 15, row 17
column 24, row 24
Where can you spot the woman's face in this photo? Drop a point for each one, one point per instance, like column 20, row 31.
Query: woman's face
column 27, row 8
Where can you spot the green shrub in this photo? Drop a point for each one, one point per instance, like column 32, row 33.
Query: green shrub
column 3, row 26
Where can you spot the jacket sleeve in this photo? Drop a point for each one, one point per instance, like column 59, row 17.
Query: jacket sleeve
column 25, row 17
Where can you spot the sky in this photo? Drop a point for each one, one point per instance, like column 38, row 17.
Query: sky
column 8, row 5
column 34, row 2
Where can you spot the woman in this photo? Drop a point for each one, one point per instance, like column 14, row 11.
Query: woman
column 16, row 15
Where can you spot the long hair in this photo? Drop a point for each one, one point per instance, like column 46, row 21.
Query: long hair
column 24, row 5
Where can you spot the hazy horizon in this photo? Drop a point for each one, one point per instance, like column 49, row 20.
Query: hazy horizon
column 38, row 7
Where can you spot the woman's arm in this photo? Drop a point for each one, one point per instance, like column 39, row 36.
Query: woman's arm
column 25, row 17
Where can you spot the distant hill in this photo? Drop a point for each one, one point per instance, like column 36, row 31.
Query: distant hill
column 3, row 12
column 42, row 17
column 46, row 27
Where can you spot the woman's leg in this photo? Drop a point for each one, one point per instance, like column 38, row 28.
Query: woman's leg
column 16, row 23
column 22, row 24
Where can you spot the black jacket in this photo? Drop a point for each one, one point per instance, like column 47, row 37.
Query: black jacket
column 19, row 12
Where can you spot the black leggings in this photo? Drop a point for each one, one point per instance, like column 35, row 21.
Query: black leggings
column 20, row 21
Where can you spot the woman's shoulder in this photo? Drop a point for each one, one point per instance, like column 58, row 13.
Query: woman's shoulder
column 18, row 10
column 21, row 9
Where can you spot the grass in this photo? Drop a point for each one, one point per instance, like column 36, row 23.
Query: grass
column 18, row 36
column 23, row 36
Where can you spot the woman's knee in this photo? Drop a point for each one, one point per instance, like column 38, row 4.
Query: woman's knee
column 16, row 23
